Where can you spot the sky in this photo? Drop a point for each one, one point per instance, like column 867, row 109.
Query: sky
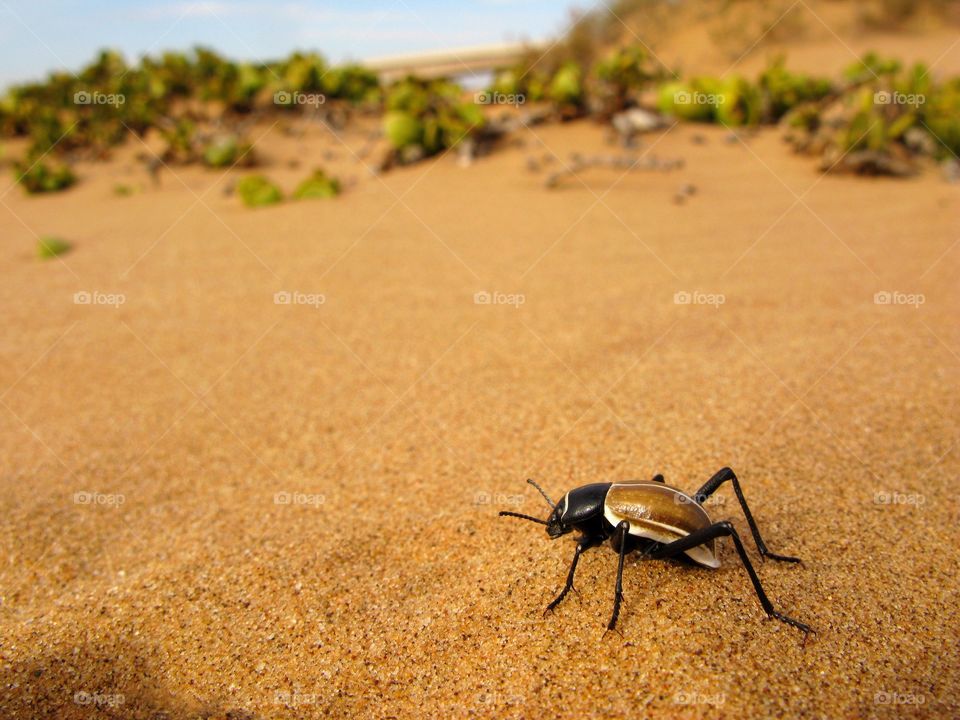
column 38, row 36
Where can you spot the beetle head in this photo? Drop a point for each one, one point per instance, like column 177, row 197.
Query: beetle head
column 555, row 524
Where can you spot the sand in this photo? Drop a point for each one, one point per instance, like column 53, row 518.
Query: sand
column 290, row 510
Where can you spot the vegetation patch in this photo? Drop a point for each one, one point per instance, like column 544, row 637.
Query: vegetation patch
column 41, row 177
column 258, row 191
column 50, row 247
column 317, row 185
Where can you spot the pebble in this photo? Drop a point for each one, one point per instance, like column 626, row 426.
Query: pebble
column 951, row 170
column 466, row 151
column 686, row 190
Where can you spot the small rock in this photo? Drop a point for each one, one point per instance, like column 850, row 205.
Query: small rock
column 951, row 170
column 635, row 120
column 919, row 140
column 686, row 190
column 466, row 151
column 698, row 139
column 533, row 164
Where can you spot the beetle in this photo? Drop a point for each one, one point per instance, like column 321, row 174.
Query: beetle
column 659, row 521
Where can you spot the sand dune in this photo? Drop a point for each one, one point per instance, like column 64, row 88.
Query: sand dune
column 216, row 505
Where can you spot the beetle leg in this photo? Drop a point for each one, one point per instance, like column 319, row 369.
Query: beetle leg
column 715, row 482
column 722, row 529
column 623, row 529
column 582, row 546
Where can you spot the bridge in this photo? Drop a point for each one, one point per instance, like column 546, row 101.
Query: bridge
column 451, row 63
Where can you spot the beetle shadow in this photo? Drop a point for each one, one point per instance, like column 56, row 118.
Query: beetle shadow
column 108, row 679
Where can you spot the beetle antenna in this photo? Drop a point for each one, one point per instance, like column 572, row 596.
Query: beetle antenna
column 523, row 517
column 546, row 497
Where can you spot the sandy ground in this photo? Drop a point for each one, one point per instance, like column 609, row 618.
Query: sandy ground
column 215, row 505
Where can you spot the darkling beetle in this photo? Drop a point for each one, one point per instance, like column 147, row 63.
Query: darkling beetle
column 658, row 520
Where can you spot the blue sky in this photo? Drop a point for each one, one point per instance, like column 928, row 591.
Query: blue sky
column 42, row 35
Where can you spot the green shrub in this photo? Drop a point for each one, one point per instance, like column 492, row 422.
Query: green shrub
column 737, row 102
column 431, row 115
column 351, row 82
column 621, row 76
column 257, row 191
column 870, row 67
column 227, row 150
column 942, row 116
column 686, row 100
column 50, row 247
column 781, row 90
column 734, row 100
column 317, row 185
column 507, row 82
column 566, row 87
column 67, row 111
column 402, row 128
column 39, row 177
column 882, row 118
